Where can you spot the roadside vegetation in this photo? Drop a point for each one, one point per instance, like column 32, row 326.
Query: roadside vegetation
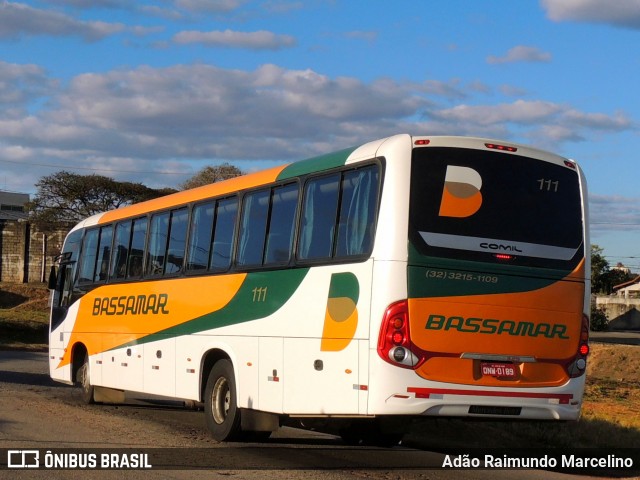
column 610, row 414
column 24, row 315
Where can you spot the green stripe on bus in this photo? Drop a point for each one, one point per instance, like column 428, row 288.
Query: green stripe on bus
column 427, row 282
column 445, row 277
column 316, row 164
column 260, row 295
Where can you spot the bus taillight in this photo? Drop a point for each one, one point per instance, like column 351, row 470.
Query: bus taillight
column 579, row 365
column 505, row 148
column 394, row 343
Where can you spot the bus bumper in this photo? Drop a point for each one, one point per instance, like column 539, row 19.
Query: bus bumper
column 460, row 402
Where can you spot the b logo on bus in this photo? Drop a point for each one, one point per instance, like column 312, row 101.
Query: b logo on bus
column 341, row 316
column 499, row 327
column 461, row 195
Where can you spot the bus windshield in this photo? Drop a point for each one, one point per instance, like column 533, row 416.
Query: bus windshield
column 492, row 206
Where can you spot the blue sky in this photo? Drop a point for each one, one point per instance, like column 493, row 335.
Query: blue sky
column 154, row 91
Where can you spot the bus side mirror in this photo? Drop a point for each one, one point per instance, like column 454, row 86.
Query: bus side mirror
column 53, row 276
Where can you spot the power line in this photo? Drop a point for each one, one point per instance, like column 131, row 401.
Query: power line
column 615, row 223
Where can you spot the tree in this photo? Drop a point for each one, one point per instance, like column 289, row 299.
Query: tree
column 65, row 197
column 211, row 174
column 604, row 278
column 599, row 269
column 599, row 321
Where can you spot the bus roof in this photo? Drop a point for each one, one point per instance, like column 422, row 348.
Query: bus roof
column 283, row 172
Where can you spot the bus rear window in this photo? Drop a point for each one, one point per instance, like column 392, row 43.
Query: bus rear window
column 472, row 204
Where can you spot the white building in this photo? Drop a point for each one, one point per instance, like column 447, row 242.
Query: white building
column 622, row 307
column 12, row 205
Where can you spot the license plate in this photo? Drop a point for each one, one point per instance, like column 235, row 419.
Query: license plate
column 501, row 370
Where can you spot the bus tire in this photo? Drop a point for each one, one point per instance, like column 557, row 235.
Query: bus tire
column 220, row 403
column 84, row 381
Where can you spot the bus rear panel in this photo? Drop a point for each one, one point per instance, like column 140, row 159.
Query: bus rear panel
column 494, row 323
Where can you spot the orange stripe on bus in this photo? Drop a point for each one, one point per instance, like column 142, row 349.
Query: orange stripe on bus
column 105, row 320
column 207, row 191
column 560, row 303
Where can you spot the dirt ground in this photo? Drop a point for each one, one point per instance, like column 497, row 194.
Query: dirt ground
column 615, row 362
column 23, row 296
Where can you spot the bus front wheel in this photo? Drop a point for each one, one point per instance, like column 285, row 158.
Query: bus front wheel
column 221, row 406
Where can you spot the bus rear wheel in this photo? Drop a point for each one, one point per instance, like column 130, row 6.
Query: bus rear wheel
column 84, row 381
column 221, row 405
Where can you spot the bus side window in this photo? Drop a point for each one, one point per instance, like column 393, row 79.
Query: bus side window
column 121, row 249
column 221, row 248
column 317, row 229
column 136, row 252
column 253, row 228
column 104, row 254
column 157, row 244
column 177, row 241
column 357, row 212
column 89, row 255
column 284, row 203
column 200, row 238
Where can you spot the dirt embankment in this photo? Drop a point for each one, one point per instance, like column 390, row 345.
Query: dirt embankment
column 24, row 315
column 619, row 363
column 24, row 297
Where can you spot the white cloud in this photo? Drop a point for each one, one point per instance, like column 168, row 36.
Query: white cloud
column 282, row 6
column 451, row 89
column 624, row 13
column 156, row 119
column 614, row 212
column 20, row 85
column 260, row 40
column 520, row 112
column 201, row 111
column 161, row 12
column 141, row 31
column 180, row 9
column 209, row 6
column 18, row 20
column 546, row 125
column 87, row 4
column 512, row 91
column 599, row 121
column 521, row 53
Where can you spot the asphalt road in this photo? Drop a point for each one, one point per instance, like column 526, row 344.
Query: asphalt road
column 621, row 337
column 36, row 413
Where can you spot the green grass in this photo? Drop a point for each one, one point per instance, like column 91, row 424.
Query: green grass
column 23, row 327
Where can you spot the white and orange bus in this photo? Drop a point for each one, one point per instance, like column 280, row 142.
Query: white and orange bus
column 410, row 276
